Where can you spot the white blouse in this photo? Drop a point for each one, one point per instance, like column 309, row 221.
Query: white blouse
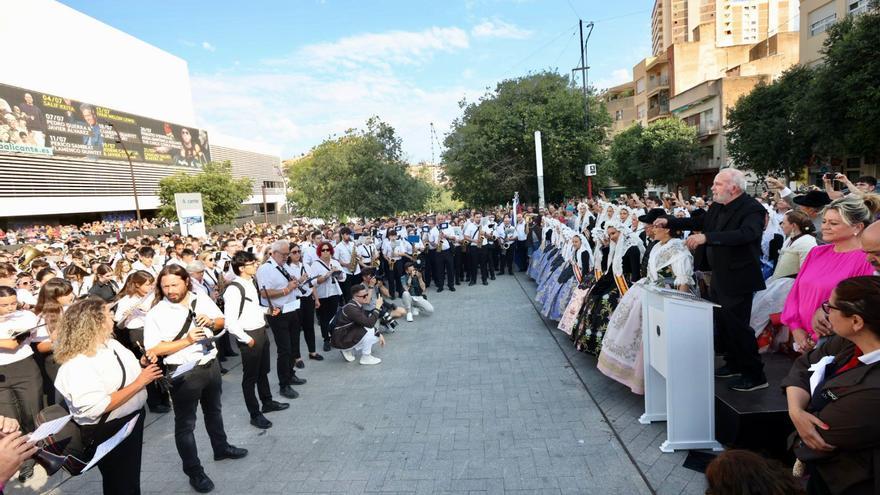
column 330, row 287
column 19, row 320
column 86, row 383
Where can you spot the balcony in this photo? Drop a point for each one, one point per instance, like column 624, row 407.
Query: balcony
column 658, row 111
column 658, row 83
column 707, row 128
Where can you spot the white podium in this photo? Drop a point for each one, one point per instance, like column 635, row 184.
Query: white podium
column 679, row 361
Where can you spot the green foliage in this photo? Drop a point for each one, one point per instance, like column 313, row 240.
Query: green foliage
column 843, row 106
column 443, row 200
column 360, row 174
column 767, row 131
column 222, row 194
column 490, row 152
column 660, row 153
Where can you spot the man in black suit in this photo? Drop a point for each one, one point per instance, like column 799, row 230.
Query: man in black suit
column 730, row 234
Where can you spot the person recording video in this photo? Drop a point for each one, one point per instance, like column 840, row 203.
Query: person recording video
column 413, row 293
column 356, row 316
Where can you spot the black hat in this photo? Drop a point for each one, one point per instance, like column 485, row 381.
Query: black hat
column 813, row 199
column 653, row 214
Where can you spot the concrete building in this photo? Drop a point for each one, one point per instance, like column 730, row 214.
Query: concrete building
column 651, row 89
column 39, row 181
column 816, row 17
column 619, row 101
column 431, row 172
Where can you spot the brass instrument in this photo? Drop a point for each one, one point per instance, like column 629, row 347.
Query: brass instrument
column 353, row 264
column 28, row 255
column 440, row 237
column 479, row 240
column 505, row 244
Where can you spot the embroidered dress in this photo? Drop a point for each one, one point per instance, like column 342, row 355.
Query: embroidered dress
column 670, row 265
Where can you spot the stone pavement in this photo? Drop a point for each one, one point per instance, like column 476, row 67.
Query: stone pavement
column 476, row 399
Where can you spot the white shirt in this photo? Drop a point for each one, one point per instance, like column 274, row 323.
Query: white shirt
column 368, row 253
column 253, row 316
column 309, row 253
column 199, row 287
column 269, row 277
column 343, row 253
column 86, row 382
column 26, row 297
column 501, row 235
column 298, row 270
column 137, row 265
column 393, row 250
column 131, row 311
column 18, row 320
column 330, row 287
column 521, row 231
column 433, row 237
column 165, row 321
column 470, row 231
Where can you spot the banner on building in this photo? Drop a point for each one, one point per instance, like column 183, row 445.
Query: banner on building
column 190, row 214
column 37, row 123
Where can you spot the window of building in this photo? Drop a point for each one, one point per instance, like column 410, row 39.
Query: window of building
column 618, row 115
column 640, row 86
column 640, row 111
column 856, row 7
column 822, row 18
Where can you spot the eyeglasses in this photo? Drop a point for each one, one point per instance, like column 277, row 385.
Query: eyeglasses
column 295, row 252
column 827, row 307
column 325, row 250
column 362, row 295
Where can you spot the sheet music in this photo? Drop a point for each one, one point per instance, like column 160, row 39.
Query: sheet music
column 112, row 442
column 183, row 368
column 48, row 428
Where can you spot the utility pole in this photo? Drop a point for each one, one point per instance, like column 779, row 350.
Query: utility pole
column 539, row 168
column 137, row 206
column 584, row 70
column 265, row 205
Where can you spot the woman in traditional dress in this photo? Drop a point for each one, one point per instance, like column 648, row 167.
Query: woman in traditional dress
column 626, row 255
column 569, row 318
column 578, row 262
column 670, row 265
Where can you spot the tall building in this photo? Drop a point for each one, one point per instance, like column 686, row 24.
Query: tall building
column 816, row 17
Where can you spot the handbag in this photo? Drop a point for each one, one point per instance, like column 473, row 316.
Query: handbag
column 70, row 441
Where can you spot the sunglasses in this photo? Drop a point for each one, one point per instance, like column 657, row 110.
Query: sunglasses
column 295, row 252
column 325, row 250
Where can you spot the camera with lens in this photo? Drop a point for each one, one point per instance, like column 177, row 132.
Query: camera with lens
column 385, row 318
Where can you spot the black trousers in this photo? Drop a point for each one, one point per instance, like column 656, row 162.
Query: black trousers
column 345, row 285
column 392, row 279
column 398, row 271
column 428, row 264
column 477, row 259
column 307, row 323
column 325, row 313
column 443, row 269
column 521, row 254
column 255, row 363
column 494, row 256
column 460, row 262
column 120, row 470
column 506, row 260
column 21, row 392
column 285, row 329
column 155, row 395
column 734, row 333
column 200, row 385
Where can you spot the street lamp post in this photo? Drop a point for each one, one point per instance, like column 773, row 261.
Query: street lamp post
column 137, row 206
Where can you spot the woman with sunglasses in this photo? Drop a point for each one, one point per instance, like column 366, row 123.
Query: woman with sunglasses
column 328, row 288
column 308, row 301
column 834, row 393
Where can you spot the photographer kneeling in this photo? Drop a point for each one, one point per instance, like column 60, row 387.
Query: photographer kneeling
column 413, row 293
column 388, row 312
column 354, row 320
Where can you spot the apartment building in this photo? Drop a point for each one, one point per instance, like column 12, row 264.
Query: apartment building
column 816, row 17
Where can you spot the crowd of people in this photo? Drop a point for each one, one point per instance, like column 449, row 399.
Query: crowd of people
column 105, row 329
column 796, row 274
column 32, row 234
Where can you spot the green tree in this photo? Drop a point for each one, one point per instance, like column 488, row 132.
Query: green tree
column 661, row 153
column 490, row 152
column 359, row 174
column 843, row 105
column 222, row 194
column 767, row 131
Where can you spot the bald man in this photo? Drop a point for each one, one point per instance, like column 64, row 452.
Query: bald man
column 730, row 234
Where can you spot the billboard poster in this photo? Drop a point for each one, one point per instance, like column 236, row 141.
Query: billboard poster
column 37, row 123
column 190, row 214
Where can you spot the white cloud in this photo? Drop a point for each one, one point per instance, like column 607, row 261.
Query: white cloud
column 496, row 28
column 297, row 101
column 208, row 46
column 617, row 76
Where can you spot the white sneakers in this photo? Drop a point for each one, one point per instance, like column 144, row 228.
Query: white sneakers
column 369, row 359
column 347, row 355
column 409, row 316
column 415, row 311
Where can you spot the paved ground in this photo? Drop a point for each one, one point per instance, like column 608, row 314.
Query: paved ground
column 477, row 399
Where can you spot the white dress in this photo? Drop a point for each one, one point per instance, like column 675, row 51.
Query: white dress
column 772, row 299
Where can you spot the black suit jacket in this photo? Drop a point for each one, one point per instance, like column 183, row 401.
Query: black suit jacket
column 733, row 244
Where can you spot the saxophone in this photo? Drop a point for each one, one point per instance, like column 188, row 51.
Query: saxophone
column 440, row 237
column 479, row 240
column 353, row 264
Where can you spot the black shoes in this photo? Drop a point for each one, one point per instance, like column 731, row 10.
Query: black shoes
column 230, row 452
column 289, row 392
column 201, row 483
column 327, row 346
column 300, row 364
column 316, row 357
column 297, row 380
column 223, row 370
column 439, row 289
column 160, row 409
column 486, row 282
column 726, row 372
column 472, row 283
column 261, row 422
column 510, row 272
column 274, row 405
column 492, row 277
column 452, row 289
column 746, row 384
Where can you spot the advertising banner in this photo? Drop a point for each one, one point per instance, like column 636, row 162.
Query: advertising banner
column 37, row 123
column 190, row 214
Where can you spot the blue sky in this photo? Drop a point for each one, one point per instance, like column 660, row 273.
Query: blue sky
column 291, row 73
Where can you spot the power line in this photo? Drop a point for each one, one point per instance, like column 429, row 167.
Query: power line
column 545, row 45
